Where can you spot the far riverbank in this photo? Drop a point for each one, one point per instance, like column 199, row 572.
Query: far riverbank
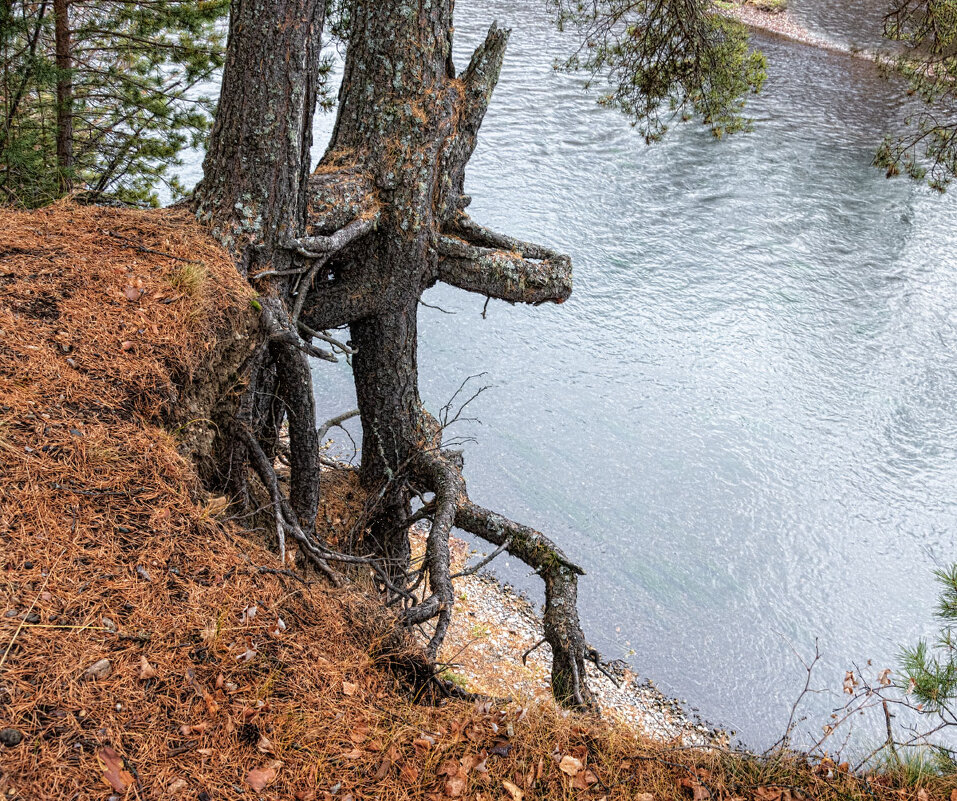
column 781, row 23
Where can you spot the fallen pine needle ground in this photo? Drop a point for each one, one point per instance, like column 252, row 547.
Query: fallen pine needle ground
column 150, row 648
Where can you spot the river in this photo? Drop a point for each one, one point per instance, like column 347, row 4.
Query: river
column 743, row 423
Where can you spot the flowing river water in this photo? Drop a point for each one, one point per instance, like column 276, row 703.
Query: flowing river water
column 743, row 424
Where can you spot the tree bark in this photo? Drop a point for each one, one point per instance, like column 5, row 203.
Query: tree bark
column 254, row 197
column 63, row 51
column 406, row 127
column 253, row 192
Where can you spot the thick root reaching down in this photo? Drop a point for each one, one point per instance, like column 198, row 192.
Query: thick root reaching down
column 562, row 628
column 441, row 471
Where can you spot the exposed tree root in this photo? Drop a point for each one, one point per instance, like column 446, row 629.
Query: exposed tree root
column 357, row 243
column 441, row 472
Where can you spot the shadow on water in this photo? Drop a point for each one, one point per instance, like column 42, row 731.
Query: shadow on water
column 743, row 422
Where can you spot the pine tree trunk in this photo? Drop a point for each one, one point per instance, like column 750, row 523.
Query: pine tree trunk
column 63, row 48
column 408, row 124
column 396, row 109
column 253, row 196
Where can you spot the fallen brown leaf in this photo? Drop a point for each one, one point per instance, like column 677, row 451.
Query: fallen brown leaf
column 114, row 774
column 584, row 780
column 260, row 778
column 513, row 791
column 455, row 786
column 211, row 704
column 570, row 765
column 383, row 769
column 147, row 671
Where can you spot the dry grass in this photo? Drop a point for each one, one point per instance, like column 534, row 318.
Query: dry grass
column 110, row 551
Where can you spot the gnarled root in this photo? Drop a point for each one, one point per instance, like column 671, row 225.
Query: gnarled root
column 441, row 471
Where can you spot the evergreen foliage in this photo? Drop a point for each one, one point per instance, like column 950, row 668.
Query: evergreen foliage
column 664, row 60
column 127, row 81
column 927, row 150
column 929, row 686
column 930, row 671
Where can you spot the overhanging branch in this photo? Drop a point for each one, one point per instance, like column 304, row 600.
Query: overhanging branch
column 519, row 273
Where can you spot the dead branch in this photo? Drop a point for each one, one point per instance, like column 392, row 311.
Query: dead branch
column 317, row 247
column 275, row 320
column 325, row 337
column 477, row 82
column 471, row 571
column 525, row 273
column 336, row 422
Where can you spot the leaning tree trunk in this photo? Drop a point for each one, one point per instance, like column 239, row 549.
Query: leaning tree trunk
column 387, row 221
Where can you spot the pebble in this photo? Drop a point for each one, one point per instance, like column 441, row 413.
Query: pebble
column 143, row 573
column 11, row 738
column 99, row 670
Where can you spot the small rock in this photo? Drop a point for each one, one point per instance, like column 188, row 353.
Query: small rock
column 28, row 565
column 99, row 670
column 143, row 573
column 11, row 738
column 33, row 618
column 10, row 613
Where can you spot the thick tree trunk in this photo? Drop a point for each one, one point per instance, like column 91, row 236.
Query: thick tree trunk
column 254, row 197
column 396, row 109
column 253, row 192
column 407, row 125
column 385, row 222
column 63, row 48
